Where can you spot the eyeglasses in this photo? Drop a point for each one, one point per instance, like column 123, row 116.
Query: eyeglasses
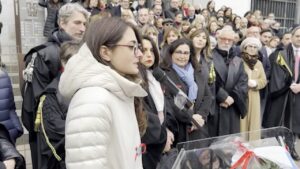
column 226, row 39
column 182, row 53
column 168, row 24
column 136, row 47
column 252, row 46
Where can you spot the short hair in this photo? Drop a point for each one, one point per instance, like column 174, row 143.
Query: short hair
column 295, row 30
column 226, row 30
column 266, row 30
column 67, row 10
column 146, row 9
column 68, row 49
column 167, row 60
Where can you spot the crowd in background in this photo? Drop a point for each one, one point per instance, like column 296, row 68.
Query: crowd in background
column 106, row 108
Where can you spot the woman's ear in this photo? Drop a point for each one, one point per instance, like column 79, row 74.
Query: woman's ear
column 105, row 53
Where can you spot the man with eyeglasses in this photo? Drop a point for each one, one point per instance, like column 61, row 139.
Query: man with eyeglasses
column 230, row 86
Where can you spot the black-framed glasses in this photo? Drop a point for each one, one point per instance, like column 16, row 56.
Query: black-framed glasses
column 182, row 53
column 134, row 47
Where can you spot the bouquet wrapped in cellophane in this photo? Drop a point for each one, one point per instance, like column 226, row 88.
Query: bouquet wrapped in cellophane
column 237, row 151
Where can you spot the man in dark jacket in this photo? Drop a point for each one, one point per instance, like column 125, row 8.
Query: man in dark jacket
column 174, row 8
column 72, row 19
column 283, row 108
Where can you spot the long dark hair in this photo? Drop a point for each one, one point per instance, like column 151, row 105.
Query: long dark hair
column 207, row 7
column 167, row 61
column 143, row 68
column 207, row 48
column 108, row 31
column 155, row 51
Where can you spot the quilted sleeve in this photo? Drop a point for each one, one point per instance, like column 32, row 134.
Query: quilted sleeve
column 87, row 136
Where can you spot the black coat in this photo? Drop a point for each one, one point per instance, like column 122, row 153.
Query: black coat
column 231, row 80
column 170, row 13
column 206, row 66
column 155, row 137
column 114, row 10
column 282, row 105
column 54, row 114
column 201, row 106
column 47, row 67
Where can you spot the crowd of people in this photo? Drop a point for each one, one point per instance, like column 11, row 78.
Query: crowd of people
column 95, row 94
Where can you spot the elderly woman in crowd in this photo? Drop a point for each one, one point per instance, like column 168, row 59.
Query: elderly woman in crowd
column 256, row 81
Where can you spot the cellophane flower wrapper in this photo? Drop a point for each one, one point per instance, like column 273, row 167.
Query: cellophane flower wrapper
column 238, row 154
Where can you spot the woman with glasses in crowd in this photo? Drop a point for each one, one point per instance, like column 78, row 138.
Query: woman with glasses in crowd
column 182, row 67
column 105, row 119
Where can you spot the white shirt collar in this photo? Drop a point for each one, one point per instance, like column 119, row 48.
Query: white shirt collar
column 296, row 50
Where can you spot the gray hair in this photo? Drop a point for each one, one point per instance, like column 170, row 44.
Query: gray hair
column 67, row 10
column 295, row 30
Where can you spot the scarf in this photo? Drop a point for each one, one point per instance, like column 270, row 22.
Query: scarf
column 156, row 92
column 187, row 76
column 250, row 60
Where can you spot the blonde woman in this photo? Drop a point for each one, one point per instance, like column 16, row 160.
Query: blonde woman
column 170, row 35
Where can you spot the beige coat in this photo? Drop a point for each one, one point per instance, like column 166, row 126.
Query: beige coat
column 252, row 121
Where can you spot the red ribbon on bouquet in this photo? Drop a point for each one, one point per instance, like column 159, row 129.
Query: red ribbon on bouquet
column 245, row 159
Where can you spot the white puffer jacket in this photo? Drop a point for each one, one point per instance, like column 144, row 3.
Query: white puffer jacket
column 101, row 127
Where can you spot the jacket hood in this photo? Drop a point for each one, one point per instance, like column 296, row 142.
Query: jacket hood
column 59, row 36
column 83, row 71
